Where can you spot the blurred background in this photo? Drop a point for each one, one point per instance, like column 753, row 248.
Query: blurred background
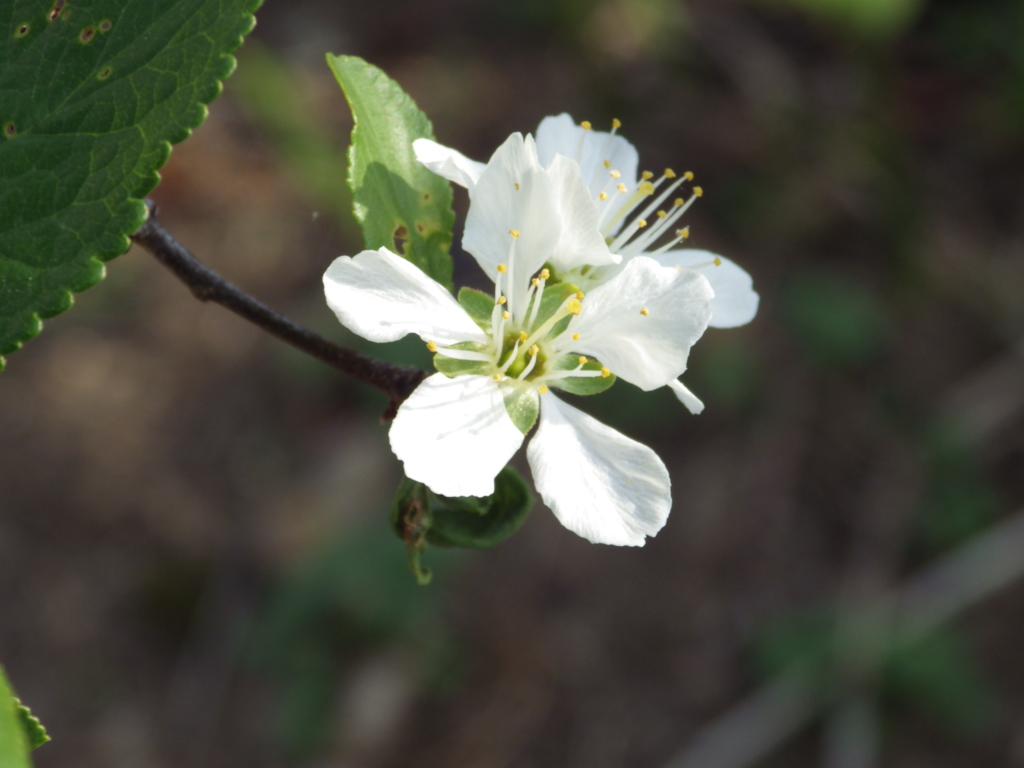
column 196, row 567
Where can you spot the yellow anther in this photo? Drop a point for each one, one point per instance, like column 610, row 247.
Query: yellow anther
column 669, row 173
column 585, row 125
column 543, row 389
column 575, row 337
column 505, row 315
column 603, row 196
column 579, row 294
column 574, row 306
column 646, row 188
column 684, row 232
column 605, row 373
column 583, row 360
column 621, row 187
column 533, row 350
column 677, row 202
column 502, row 300
column 641, row 223
column 607, row 163
column 688, row 175
column 616, row 123
column 514, row 233
column 535, row 282
column 517, row 186
column 432, row 346
column 662, row 214
column 718, row 261
column 497, row 377
column 502, row 268
column 545, row 274
column 646, row 175
column 615, row 174
column 645, row 311
column 522, row 336
column 697, row 191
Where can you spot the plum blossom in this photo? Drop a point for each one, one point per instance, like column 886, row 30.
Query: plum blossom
column 634, row 211
column 501, row 356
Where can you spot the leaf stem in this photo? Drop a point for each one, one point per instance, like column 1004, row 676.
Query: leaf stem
column 396, row 382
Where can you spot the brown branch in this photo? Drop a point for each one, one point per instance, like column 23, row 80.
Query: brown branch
column 396, row 382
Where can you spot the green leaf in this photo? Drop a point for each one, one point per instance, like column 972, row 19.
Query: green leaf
column 495, row 518
column 580, row 385
column 35, row 732
column 420, row 517
column 395, row 198
column 90, row 102
column 522, row 403
column 13, row 744
column 451, row 367
column 478, row 305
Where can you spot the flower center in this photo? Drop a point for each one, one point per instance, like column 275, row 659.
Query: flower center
column 530, row 343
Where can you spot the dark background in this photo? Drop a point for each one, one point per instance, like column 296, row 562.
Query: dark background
column 195, row 563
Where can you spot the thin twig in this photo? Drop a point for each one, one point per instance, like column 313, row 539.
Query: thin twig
column 396, row 382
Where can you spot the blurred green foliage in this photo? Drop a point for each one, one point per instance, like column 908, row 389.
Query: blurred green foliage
column 960, row 498
column 938, row 676
column 352, row 597
column 867, row 18
column 836, row 319
column 271, row 93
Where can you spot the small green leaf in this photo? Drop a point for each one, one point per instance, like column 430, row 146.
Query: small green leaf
column 453, row 524
column 522, row 403
column 420, row 517
column 13, row 743
column 395, row 198
column 580, row 385
column 92, row 94
column 35, row 732
column 451, row 367
column 478, row 305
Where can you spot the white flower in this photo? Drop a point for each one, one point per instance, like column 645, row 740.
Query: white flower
column 633, row 211
column 500, row 356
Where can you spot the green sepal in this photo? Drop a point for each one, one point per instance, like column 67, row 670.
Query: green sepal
column 14, row 742
column 580, row 385
column 522, row 402
column 478, row 305
column 451, row 367
column 399, row 203
column 420, row 517
column 552, row 299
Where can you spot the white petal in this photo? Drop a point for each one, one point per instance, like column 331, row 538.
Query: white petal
column 446, row 162
column 383, row 297
column 735, row 301
column 580, row 241
column 455, row 435
column 599, row 483
column 651, row 349
column 561, row 136
column 686, row 397
column 513, row 192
